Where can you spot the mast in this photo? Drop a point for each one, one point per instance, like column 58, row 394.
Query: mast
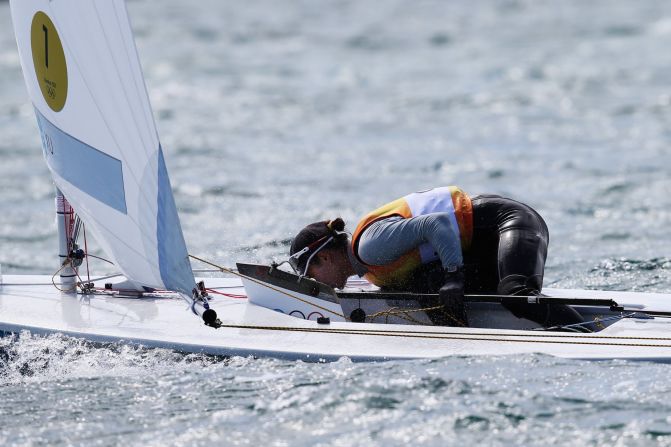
column 65, row 218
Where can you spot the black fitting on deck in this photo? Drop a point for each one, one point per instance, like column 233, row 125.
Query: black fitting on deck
column 210, row 318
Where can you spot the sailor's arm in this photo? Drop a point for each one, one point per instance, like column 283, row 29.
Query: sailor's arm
column 386, row 240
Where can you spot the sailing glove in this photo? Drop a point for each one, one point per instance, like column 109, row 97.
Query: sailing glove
column 452, row 298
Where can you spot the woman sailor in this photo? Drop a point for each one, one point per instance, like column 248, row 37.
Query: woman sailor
column 439, row 240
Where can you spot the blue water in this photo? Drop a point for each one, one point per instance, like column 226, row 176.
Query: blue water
column 276, row 114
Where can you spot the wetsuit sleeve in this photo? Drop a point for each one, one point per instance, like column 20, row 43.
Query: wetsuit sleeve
column 388, row 239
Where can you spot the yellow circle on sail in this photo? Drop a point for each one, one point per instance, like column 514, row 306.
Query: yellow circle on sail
column 49, row 61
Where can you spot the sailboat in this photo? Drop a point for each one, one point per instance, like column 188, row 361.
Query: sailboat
column 99, row 140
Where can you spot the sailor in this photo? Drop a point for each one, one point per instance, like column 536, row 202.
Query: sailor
column 439, row 241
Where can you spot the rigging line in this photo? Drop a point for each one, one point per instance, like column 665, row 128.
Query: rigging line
column 145, row 146
column 40, row 284
column 484, row 334
column 98, row 257
column 32, row 284
column 100, row 278
column 86, row 255
column 70, row 242
column 71, row 227
column 109, row 129
column 529, row 334
column 230, row 295
column 77, row 227
column 474, row 295
column 149, row 239
column 79, row 283
column 68, row 218
column 597, row 321
column 66, row 226
column 123, row 242
column 418, row 335
column 65, row 264
column 405, row 314
column 227, row 270
column 392, row 312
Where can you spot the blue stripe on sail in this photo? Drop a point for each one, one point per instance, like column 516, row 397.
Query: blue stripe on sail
column 94, row 172
column 173, row 260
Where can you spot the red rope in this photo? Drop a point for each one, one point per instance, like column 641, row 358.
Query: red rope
column 67, row 224
column 230, row 295
column 86, row 254
column 69, row 220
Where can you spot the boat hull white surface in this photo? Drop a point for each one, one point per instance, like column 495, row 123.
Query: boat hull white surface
column 28, row 302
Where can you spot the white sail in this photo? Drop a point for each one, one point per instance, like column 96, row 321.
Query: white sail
column 99, row 138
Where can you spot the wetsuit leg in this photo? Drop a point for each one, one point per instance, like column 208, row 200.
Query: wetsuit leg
column 522, row 249
column 519, row 238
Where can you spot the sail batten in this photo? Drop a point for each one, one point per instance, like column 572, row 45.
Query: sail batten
column 99, row 137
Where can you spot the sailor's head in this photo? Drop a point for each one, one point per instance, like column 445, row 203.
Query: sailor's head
column 320, row 252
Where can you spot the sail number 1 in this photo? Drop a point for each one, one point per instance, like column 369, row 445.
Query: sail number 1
column 46, row 45
column 49, row 61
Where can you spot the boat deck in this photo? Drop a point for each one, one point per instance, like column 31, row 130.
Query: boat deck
column 31, row 302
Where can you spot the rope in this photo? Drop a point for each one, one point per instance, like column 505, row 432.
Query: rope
column 230, row 295
column 79, row 284
column 461, row 336
column 98, row 257
column 66, row 262
column 405, row 314
column 268, row 286
column 86, row 256
column 33, row 284
column 598, row 322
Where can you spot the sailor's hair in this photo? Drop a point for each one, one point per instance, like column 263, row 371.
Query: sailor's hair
column 316, row 231
column 336, row 226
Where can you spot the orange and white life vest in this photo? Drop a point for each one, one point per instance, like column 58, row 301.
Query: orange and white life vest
column 448, row 199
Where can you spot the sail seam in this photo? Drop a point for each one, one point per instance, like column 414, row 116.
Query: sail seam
column 145, row 146
column 146, row 105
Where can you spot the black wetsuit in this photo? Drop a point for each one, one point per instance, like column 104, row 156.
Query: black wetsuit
column 506, row 257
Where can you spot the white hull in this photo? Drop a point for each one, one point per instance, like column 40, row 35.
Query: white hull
column 28, row 303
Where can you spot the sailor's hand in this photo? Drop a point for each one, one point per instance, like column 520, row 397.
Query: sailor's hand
column 452, row 298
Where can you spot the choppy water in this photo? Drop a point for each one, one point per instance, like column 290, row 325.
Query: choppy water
column 276, row 114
